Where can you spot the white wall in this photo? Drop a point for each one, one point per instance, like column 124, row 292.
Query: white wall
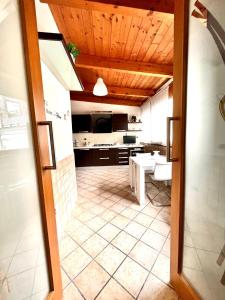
column 57, row 100
column 79, row 107
column 56, row 96
column 86, row 107
column 45, row 20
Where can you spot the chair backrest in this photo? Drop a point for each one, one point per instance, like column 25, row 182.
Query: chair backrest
column 162, row 172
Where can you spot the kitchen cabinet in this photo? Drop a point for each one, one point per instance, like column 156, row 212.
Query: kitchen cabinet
column 102, row 123
column 119, row 122
column 98, row 123
column 81, row 123
column 122, row 155
column 94, row 157
column 84, row 157
column 104, row 156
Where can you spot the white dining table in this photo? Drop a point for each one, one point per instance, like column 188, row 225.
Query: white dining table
column 138, row 165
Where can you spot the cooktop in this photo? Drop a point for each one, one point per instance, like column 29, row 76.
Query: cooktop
column 103, row 145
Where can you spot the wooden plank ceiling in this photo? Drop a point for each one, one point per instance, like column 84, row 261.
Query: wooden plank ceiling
column 127, row 43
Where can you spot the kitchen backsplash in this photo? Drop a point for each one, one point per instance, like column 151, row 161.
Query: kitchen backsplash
column 104, row 138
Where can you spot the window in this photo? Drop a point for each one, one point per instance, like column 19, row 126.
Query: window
column 154, row 117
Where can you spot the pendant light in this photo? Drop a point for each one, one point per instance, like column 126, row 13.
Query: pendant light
column 100, row 88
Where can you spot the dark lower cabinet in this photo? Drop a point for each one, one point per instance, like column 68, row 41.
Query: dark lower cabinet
column 122, row 155
column 102, row 156
column 84, row 157
column 94, row 157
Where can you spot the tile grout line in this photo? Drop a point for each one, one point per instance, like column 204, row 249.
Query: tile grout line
column 88, row 209
column 96, row 232
column 126, row 255
column 150, row 272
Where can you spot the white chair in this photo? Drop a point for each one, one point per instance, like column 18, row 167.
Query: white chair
column 159, row 179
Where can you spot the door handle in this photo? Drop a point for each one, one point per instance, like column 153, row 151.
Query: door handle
column 222, row 107
column 221, row 257
column 49, row 124
column 220, row 260
column 168, row 146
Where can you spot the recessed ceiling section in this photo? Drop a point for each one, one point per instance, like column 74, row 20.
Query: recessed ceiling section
column 131, row 48
column 54, row 56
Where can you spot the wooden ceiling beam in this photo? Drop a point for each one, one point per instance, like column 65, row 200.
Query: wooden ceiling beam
column 141, row 8
column 129, row 67
column 122, row 91
column 82, row 96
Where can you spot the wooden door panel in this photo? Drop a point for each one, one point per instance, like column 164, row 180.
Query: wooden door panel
column 40, row 137
column 180, row 284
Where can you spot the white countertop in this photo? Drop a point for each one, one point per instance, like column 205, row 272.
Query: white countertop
column 148, row 160
column 113, row 146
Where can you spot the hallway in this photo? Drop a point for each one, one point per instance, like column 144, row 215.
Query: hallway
column 112, row 248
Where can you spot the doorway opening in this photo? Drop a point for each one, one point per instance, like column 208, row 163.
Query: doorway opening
column 116, row 241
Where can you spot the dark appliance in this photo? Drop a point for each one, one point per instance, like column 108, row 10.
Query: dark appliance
column 129, row 139
column 136, row 150
column 102, row 123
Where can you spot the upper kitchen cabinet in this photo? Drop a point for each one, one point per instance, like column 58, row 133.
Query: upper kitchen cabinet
column 102, row 123
column 120, row 122
column 81, row 123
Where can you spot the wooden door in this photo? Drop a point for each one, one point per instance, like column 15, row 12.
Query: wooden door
column 29, row 230
column 40, row 135
column 197, row 229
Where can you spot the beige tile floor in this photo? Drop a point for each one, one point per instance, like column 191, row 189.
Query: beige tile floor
column 112, row 248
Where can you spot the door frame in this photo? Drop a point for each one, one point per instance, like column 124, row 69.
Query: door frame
column 40, row 140
column 181, row 19
column 36, row 96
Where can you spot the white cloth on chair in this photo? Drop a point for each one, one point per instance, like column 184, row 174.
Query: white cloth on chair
column 162, row 172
